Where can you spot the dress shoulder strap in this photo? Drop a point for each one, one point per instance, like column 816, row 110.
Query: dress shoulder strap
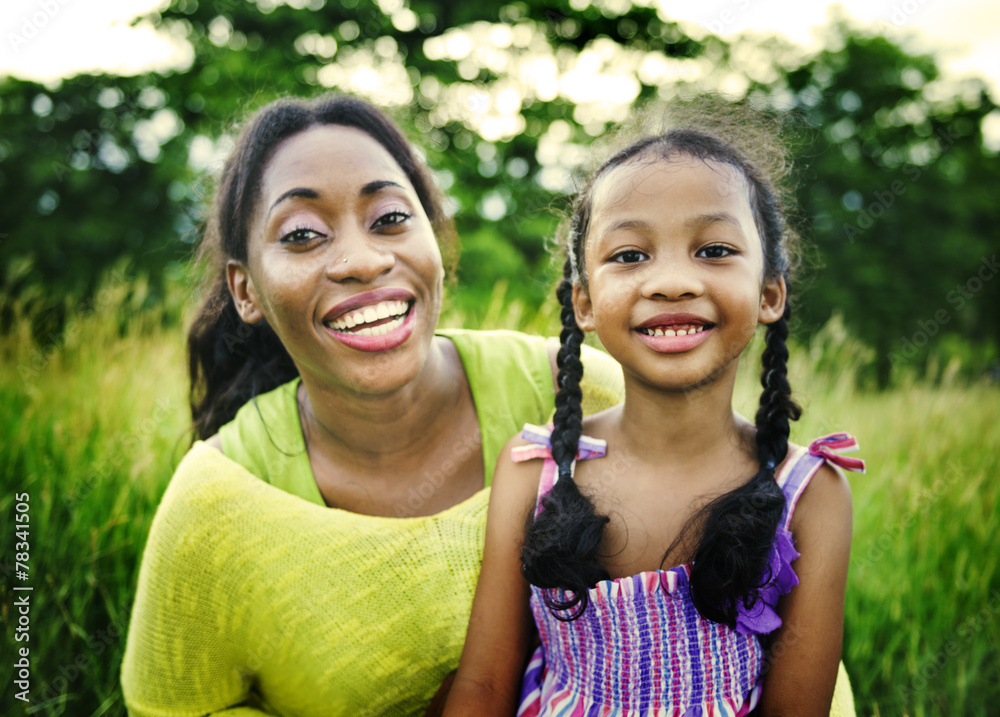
column 541, row 447
column 803, row 463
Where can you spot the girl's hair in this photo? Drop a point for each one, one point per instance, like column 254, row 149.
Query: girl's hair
column 230, row 361
column 737, row 529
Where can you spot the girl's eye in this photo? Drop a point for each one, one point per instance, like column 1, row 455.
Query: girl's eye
column 394, row 218
column 716, row 251
column 300, row 235
column 630, row 256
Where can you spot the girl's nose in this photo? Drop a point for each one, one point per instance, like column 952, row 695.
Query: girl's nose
column 358, row 258
column 673, row 280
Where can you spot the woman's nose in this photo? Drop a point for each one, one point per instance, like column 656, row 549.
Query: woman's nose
column 672, row 279
column 358, row 257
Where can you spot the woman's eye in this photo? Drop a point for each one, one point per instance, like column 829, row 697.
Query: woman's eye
column 301, row 235
column 391, row 219
column 630, row 256
column 716, row 251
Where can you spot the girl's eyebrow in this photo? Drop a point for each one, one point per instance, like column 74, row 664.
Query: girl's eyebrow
column 637, row 225
column 699, row 221
column 707, row 220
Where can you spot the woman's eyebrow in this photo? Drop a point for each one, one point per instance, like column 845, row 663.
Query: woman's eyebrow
column 297, row 192
column 378, row 184
column 306, row 193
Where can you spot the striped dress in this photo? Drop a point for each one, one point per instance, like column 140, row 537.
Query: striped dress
column 641, row 647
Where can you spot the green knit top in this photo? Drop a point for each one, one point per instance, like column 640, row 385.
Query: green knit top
column 253, row 595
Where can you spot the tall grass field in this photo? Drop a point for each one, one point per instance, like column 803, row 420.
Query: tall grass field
column 93, row 421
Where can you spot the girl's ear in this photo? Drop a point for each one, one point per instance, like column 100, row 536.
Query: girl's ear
column 242, row 290
column 772, row 300
column 582, row 307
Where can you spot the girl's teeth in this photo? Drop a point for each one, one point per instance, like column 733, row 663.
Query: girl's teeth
column 660, row 331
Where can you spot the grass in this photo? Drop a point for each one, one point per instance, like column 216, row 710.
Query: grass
column 93, row 421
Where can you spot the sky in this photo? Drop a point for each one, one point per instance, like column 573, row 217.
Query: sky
column 47, row 39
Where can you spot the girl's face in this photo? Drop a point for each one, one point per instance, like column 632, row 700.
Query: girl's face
column 675, row 270
column 342, row 261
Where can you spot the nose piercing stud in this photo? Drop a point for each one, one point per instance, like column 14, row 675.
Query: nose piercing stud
column 345, row 261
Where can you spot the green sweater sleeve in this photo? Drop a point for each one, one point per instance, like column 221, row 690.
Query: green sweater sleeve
column 179, row 657
column 603, row 385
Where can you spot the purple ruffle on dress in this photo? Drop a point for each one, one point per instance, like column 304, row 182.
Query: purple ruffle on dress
column 763, row 618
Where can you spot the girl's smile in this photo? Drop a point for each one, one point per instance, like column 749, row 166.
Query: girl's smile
column 674, row 266
column 673, row 333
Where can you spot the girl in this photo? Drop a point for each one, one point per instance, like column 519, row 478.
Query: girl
column 677, row 250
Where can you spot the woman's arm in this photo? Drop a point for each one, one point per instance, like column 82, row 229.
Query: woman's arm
column 178, row 659
column 805, row 653
column 496, row 645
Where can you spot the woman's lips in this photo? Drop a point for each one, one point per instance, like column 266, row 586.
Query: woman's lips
column 381, row 334
column 365, row 300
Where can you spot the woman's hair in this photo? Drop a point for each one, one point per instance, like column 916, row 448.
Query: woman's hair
column 737, row 529
column 229, row 360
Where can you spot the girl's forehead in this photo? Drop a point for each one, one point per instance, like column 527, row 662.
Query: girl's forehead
column 680, row 183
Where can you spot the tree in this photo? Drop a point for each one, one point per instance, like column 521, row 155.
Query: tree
column 505, row 100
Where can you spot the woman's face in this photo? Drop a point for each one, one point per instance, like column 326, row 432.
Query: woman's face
column 342, row 262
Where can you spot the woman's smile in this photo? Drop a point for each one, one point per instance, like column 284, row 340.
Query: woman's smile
column 376, row 320
column 343, row 260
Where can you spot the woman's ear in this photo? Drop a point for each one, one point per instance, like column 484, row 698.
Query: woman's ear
column 582, row 307
column 772, row 300
column 242, row 290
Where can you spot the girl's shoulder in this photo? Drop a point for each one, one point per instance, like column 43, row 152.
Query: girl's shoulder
column 516, row 480
column 816, row 487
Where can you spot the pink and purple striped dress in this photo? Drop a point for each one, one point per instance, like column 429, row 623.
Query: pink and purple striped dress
column 641, row 647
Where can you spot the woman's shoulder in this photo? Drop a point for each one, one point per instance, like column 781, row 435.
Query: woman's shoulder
column 493, row 345
column 203, row 479
column 265, row 437
column 272, row 414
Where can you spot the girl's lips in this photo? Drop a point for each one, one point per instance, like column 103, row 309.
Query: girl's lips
column 674, row 344
column 383, row 342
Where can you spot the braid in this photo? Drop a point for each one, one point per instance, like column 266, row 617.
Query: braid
column 776, row 405
column 561, row 544
column 568, row 419
column 732, row 560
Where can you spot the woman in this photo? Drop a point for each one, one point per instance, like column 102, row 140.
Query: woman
column 318, row 553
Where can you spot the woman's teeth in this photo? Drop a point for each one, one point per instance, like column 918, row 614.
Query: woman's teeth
column 381, row 328
column 356, row 320
column 677, row 331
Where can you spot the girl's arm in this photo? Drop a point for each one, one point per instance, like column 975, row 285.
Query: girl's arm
column 805, row 653
column 496, row 645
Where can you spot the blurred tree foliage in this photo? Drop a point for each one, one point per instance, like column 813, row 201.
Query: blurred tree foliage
column 105, row 171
